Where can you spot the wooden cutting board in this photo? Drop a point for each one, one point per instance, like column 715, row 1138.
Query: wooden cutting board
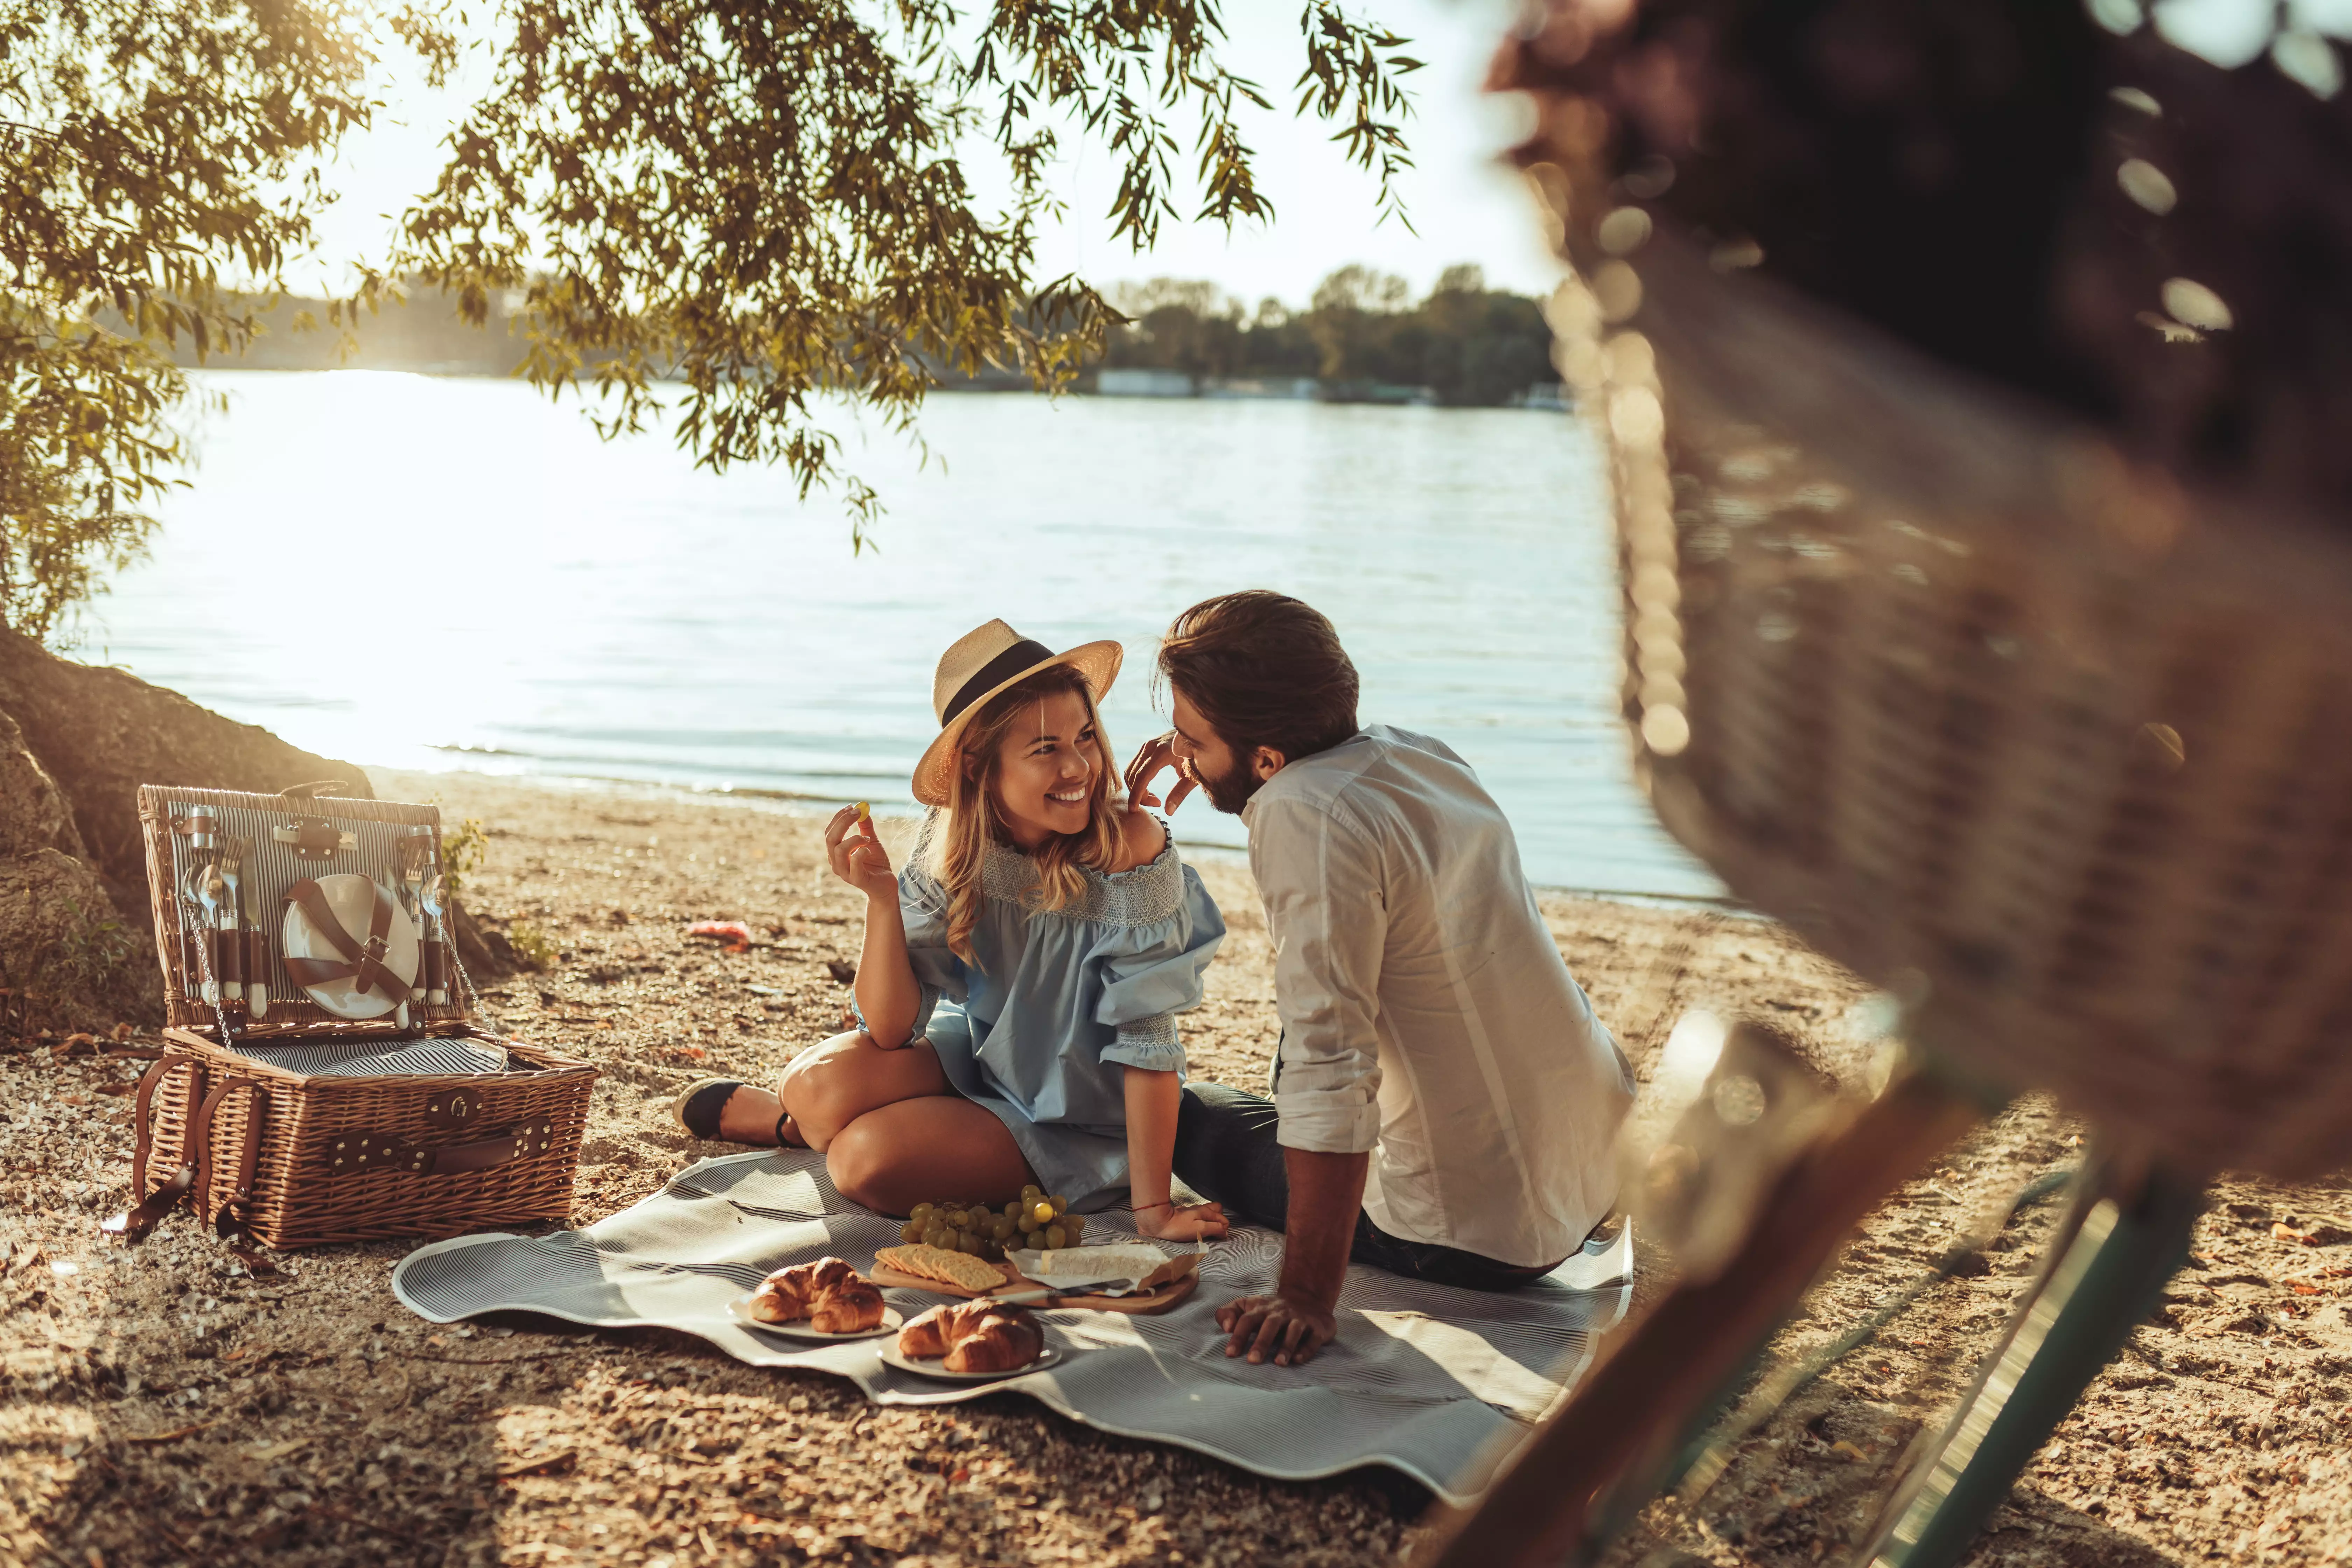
column 1160, row 1299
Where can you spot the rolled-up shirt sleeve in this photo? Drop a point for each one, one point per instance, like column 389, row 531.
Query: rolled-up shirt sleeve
column 1327, row 913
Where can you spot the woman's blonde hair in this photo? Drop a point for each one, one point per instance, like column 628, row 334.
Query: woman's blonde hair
column 961, row 830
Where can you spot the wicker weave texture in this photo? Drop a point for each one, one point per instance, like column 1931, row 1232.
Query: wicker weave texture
column 2056, row 749
column 303, row 1197
column 306, row 1189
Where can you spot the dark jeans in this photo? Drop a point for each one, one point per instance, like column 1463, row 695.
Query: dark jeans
column 1225, row 1150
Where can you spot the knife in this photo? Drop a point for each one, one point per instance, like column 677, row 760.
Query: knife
column 256, row 953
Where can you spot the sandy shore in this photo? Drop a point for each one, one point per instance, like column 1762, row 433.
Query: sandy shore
column 179, row 1402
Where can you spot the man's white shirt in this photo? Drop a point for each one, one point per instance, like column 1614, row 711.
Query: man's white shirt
column 1427, row 1017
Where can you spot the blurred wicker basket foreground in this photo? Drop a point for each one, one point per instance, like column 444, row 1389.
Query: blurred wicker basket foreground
column 2055, row 748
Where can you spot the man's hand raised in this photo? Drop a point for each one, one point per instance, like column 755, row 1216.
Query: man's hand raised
column 1290, row 1332
column 1150, row 758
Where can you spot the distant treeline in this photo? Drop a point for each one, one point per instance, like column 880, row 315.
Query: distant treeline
column 1362, row 336
column 422, row 333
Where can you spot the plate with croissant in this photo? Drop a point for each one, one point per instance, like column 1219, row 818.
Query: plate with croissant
column 826, row 1300
column 970, row 1341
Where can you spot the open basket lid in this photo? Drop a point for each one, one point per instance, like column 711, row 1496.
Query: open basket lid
column 298, row 843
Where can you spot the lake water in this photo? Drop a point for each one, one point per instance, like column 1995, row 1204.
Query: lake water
column 414, row 572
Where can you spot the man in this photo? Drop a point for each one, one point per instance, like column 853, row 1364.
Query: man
column 1445, row 1104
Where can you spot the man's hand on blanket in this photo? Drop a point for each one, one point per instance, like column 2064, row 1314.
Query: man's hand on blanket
column 1289, row 1331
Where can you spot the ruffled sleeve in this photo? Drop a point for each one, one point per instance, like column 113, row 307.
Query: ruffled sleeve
column 1153, row 960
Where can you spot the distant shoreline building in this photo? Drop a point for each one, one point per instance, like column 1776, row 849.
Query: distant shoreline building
column 1145, row 384
column 1130, row 381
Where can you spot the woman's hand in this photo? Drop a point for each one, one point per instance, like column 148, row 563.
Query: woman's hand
column 855, row 853
column 1170, row 1222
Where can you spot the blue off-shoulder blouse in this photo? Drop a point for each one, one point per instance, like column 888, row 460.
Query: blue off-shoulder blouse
column 1061, row 1001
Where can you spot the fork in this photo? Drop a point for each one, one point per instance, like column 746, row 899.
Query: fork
column 256, row 946
column 231, row 963
column 412, row 903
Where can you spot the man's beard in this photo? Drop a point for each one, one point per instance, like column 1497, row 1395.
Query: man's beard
column 1228, row 792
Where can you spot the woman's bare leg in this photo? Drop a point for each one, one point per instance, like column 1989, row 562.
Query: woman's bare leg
column 938, row 1148
column 829, row 1086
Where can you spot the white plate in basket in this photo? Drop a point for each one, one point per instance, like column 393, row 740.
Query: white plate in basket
column 936, row 1366
column 740, row 1308
column 352, row 898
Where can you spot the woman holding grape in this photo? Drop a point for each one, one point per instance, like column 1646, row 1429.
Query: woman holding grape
column 1020, row 979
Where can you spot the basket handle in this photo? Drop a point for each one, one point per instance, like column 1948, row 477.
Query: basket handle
column 149, row 1208
column 316, row 790
column 229, row 1218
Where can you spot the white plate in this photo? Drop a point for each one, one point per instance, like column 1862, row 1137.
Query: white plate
column 352, row 898
column 740, row 1308
column 936, row 1366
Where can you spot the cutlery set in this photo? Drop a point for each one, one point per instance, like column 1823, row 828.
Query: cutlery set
column 226, row 951
column 420, row 898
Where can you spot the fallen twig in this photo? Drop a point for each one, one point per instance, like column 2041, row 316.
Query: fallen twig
column 173, row 1435
column 538, row 1466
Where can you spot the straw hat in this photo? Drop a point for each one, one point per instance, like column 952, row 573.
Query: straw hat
column 981, row 663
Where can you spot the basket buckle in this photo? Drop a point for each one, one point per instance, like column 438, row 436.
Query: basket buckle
column 454, row 1108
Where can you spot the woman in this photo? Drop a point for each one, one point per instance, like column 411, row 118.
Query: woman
column 1019, row 982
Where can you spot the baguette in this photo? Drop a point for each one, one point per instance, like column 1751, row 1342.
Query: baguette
column 960, row 1270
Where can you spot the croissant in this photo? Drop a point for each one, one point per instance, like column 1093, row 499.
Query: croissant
column 850, row 1308
column 925, row 1335
column 999, row 1341
column 974, row 1336
column 791, row 1294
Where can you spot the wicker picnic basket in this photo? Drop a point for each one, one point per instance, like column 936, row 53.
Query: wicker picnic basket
column 297, row 1157
column 2050, row 743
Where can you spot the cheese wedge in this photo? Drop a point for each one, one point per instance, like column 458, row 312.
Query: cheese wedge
column 1133, row 1259
column 958, row 1268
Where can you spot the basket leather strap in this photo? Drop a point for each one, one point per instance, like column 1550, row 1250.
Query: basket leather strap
column 229, row 1217
column 149, row 1207
column 369, row 1151
column 366, row 969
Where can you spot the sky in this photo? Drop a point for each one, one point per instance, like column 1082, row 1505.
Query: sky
column 1463, row 204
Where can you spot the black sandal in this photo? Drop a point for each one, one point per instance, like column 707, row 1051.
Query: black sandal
column 699, row 1104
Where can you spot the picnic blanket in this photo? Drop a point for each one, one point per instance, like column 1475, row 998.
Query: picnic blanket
column 1437, row 1383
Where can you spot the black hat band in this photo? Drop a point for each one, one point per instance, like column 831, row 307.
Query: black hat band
column 1019, row 657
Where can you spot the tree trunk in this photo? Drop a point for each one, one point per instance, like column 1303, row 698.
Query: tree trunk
column 101, row 733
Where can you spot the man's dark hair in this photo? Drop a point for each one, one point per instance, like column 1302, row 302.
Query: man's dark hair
column 1265, row 670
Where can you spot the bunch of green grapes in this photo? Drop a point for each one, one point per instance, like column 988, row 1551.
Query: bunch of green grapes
column 1037, row 1219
